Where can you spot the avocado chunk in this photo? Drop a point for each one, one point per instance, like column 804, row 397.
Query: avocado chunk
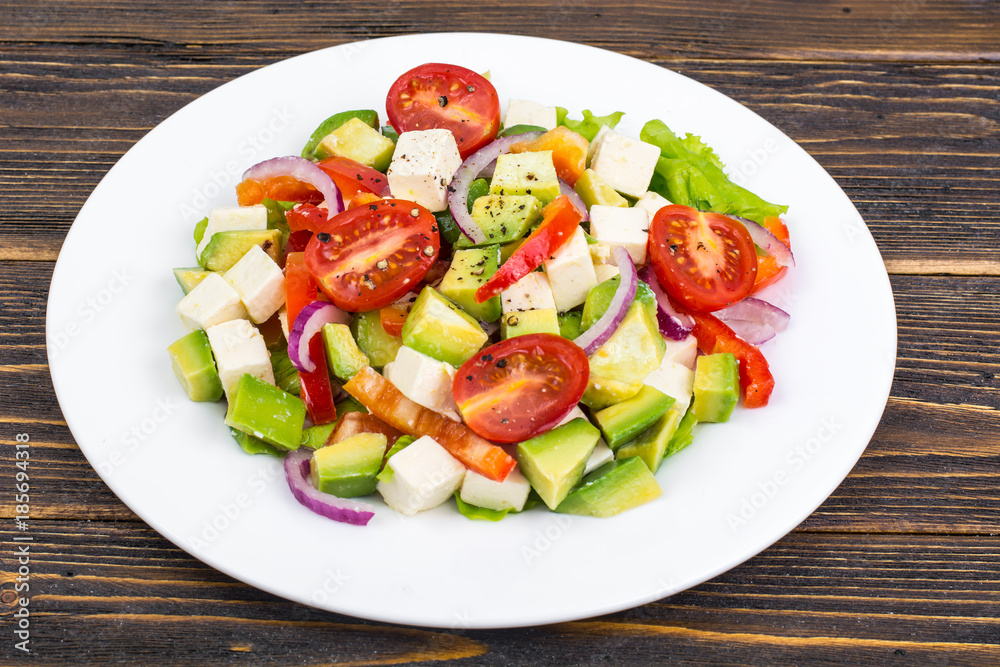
column 442, row 330
column 618, row 367
column 189, row 277
column 594, row 190
column 613, row 488
column 503, row 218
column 368, row 116
column 623, row 421
column 526, row 174
column 683, row 436
column 266, row 412
column 357, row 141
column 343, row 356
column 600, row 295
column 286, row 377
column 553, row 462
column 469, row 269
column 538, row 320
column 569, row 324
column 252, row 445
column 379, row 346
column 716, row 387
column 652, row 444
column 194, row 365
column 227, row 248
column 347, row 469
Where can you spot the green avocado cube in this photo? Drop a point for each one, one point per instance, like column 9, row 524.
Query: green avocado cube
column 226, row 248
column 553, row 462
column 594, row 190
column 683, row 436
column 194, row 365
column 538, row 320
column 189, row 277
column 252, row 445
column 569, row 324
column 716, row 387
column 378, row 345
column 652, row 444
column 266, row 412
column 503, row 218
column 623, row 421
column 357, row 141
column 469, row 269
column 347, row 469
column 286, row 376
column 343, row 356
column 613, row 488
column 600, row 295
column 617, row 368
column 442, row 330
column 526, row 174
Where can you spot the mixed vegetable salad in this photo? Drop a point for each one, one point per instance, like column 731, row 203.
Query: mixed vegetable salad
column 533, row 312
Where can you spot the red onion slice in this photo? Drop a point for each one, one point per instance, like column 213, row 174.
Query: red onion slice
column 308, row 323
column 767, row 241
column 601, row 330
column 754, row 320
column 344, row 510
column 673, row 324
column 458, row 197
column 568, row 190
column 301, row 170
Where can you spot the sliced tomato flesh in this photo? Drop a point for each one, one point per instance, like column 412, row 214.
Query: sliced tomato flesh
column 300, row 288
column 352, row 177
column 569, row 151
column 769, row 271
column 281, row 188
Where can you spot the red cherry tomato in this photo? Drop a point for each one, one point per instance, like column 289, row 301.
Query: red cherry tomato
column 280, row 188
column 705, row 261
column 448, row 97
column 521, row 386
column 352, row 177
column 367, row 257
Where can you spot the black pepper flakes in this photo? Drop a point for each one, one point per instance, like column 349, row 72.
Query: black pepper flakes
column 502, row 363
column 443, row 101
column 323, row 237
column 486, row 357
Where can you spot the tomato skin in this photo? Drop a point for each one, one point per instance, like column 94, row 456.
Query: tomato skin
column 521, row 386
column 352, row 177
column 704, row 261
column 393, row 318
column 756, row 380
column 569, row 151
column 450, row 97
column 368, row 257
column 280, row 188
column 768, row 269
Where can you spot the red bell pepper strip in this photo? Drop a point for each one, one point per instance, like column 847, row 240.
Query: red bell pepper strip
column 317, row 392
column 300, row 287
column 714, row 336
column 560, row 219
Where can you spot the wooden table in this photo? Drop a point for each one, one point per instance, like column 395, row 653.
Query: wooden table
column 899, row 101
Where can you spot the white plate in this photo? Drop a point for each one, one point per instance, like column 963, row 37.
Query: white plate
column 740, row 487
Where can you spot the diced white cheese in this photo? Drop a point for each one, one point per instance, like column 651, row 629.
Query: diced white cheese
column 481, row 491
column 675, row 380
column 651, row 202
column 626, row 164
column 424, row 475
column 602, row 454
column 531, row 292
column 422, row 167
column 424, row 380
column 525, row 112
column 625, row 227
column 213, row 301
column 283, row 321
column 684, row 352
column 260, row 283
column 575, row 413
column 571, row 272
column 596, row 143
column 232, row 219
column 605, row 271
column 239, row 348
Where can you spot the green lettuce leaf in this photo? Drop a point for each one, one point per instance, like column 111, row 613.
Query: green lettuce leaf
column 481, row 513
column 590, row 125
column 402, row 443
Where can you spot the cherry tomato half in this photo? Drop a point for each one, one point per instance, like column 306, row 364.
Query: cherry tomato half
column 521, row 386
column 353, row 177
column 367, row 257
column 705, row 261
column 449, row 97
column 280, row 188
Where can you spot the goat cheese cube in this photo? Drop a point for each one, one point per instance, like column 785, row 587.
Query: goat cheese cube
column 260, row 283
column 626, row 164
column 423, row 380
column 605, row 272
column 232, row 219
column 422, row 167
column 424, row 475
column 684, row 352
column 626, row 227
column 602, row 454
column 525, row 112
column 481, row 491
column 571, row 272
column 213, row 301
column 651, row 202
column 675, row 380
column 596, row 143
column 239, row 348
column 531, row 292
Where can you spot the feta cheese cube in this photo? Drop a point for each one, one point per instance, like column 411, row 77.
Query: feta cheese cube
column 239, row 348
column 571, row 272
column 525, row 112
column 625, row 227
column 651, row 202
column 481, row 491
column 596, row 143
column 684, row 352
column 529, row 293
column 213, row 301
column 602, row 454
column 424, row 380
column 626, row 164
column 605, row 271
column 260, row 283
column 232, row 219
column 422, row 167
column 675, row 380
column 575, row 413
column 424, row 475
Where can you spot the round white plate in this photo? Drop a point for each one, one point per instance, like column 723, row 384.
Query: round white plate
column 740, row 487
